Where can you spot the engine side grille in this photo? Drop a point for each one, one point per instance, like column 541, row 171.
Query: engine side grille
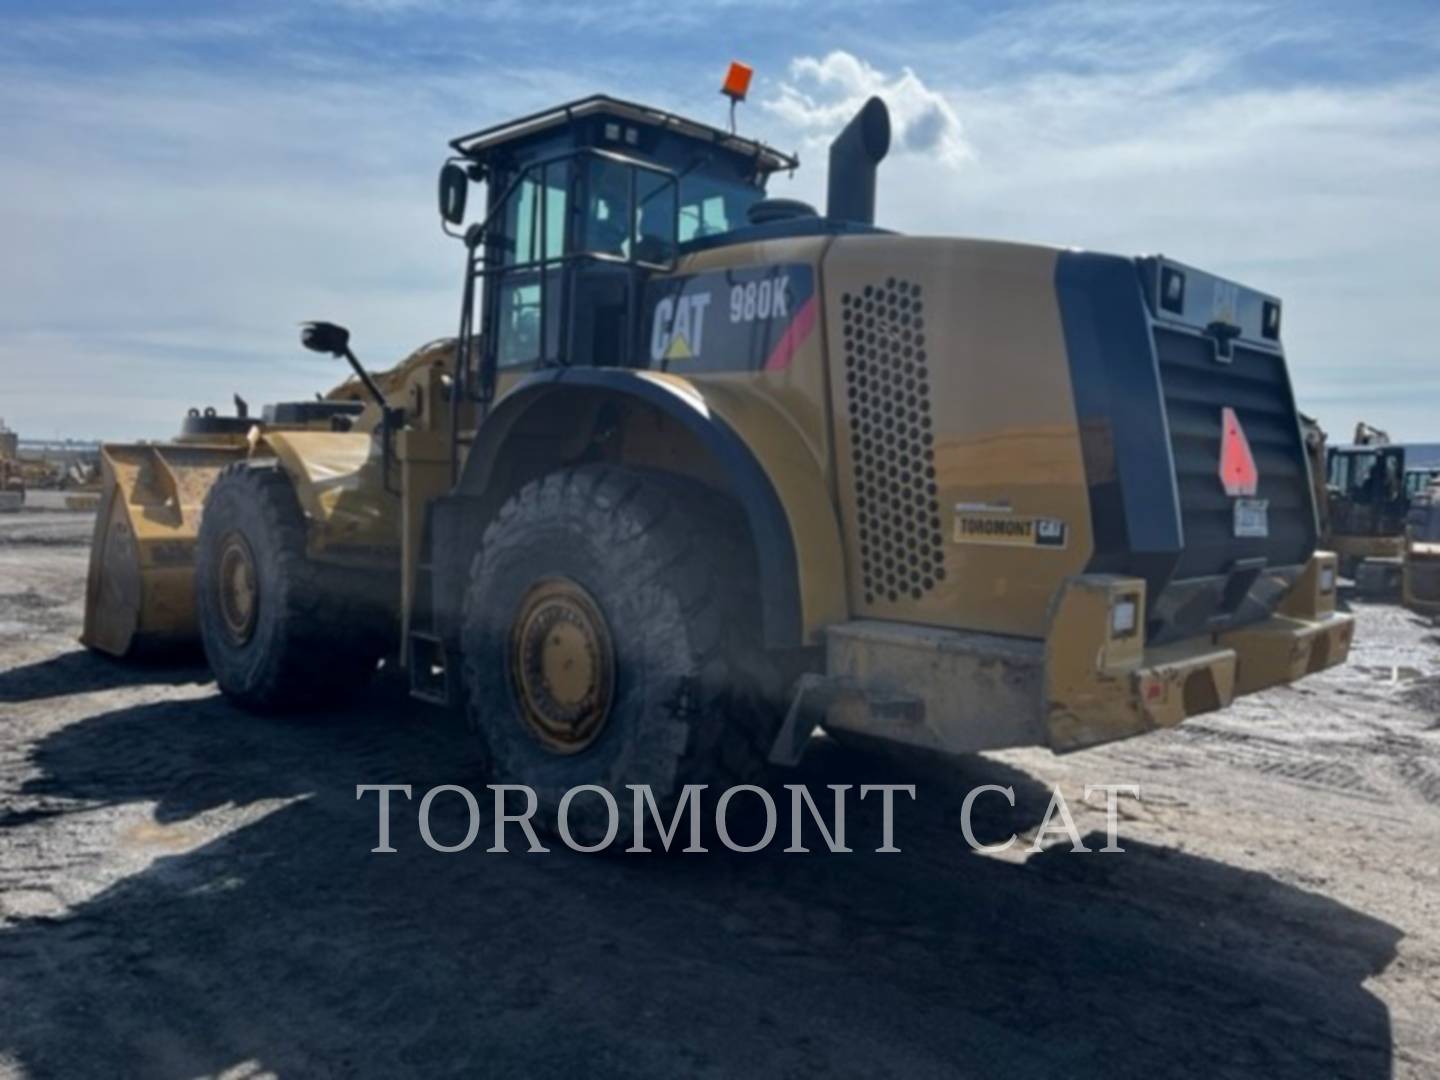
column 892, row 447
column 1196, row 388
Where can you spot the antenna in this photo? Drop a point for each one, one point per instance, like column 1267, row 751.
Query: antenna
column 736, row 86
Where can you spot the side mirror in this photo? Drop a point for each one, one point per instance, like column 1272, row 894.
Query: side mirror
column 324, row 337
column 454, row 188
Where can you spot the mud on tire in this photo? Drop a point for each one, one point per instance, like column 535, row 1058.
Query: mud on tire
column 668, row 566
column 312, row 633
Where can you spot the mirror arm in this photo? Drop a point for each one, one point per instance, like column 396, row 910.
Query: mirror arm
column 369, row 383
column 390, row 420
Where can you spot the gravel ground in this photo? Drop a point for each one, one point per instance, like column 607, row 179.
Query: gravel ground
column 186, row 890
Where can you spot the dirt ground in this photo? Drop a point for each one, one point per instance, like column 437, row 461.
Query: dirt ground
column 186, row 890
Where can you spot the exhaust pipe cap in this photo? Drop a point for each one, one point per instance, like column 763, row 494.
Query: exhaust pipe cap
column 854, row 155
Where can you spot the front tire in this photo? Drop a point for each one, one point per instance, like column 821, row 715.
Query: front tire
column 279, row 630
column 611, row 637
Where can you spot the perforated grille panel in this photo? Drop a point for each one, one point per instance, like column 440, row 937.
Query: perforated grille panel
column 893, row 450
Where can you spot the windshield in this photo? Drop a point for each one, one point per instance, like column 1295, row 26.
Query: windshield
column 1368, row 475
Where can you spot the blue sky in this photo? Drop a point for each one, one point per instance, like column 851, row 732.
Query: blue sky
column 181, row 183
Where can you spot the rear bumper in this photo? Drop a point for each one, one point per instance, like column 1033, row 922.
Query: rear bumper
column 1090, row 682
column 1099, row 687
column 1173, row 683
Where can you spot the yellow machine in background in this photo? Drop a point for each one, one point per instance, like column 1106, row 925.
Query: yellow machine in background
column 59, row 465
column 12, row 480
column 1369, row 488
column 1420, row 587
column 704, row 469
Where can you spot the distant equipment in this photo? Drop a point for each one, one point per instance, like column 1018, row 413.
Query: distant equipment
column 12, row 480
column 1369, row 487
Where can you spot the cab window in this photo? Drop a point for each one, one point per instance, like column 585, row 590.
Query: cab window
column 709, row 207
column 535, row 223
column 1340, row 472
column 535, row 216
column 645, row 232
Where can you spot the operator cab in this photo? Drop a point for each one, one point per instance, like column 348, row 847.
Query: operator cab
column 583, row 203
column 1368, row 492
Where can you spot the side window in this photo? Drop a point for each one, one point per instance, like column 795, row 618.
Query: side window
column 704, row 217
column 607, row 218
column 1340, row 471
column 709, row 207
column 535, row 216
column 655, row 238
column 518, row 320
column 535, row 223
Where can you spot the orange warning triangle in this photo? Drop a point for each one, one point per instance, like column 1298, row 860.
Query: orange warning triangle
column 1237, row 464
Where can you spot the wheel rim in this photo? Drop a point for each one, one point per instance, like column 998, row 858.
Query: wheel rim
column 562, row 662
column 239, row 588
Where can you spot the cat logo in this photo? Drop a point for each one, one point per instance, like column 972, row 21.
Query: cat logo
column 679, row 329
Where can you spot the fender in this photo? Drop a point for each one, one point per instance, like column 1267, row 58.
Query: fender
column 339, row 483
column 770, row 471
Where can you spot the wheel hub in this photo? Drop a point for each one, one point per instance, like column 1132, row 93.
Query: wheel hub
column 563, row 665
column 238, row 588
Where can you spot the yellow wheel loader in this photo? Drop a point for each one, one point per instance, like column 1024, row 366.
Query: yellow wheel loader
column 703, row 469
column 1371, row 486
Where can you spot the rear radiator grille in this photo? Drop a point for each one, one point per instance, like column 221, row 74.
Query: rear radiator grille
column 1254, row 384
column 892, row 446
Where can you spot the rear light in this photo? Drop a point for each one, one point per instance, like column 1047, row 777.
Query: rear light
column 1172, row 290
column 1124, row 616
column 1270, row 326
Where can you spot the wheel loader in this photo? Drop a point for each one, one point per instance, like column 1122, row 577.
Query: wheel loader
column 1371, row 484
column 704, row 469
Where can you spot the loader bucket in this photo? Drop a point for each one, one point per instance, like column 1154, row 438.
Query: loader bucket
column 140, row 593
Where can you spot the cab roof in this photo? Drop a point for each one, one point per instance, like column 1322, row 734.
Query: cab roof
column 481, row 144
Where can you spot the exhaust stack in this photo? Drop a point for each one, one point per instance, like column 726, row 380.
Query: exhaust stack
column 854, row 156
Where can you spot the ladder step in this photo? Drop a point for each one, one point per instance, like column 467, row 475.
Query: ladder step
column 429, row 670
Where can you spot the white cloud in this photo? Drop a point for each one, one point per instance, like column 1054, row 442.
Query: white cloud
column 1318, row 191
column 825, row 93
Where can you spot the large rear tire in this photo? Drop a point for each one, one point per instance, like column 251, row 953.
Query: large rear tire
column 279, row 630
column 611, row 637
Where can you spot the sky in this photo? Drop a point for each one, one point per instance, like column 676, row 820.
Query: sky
column 182, row 183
